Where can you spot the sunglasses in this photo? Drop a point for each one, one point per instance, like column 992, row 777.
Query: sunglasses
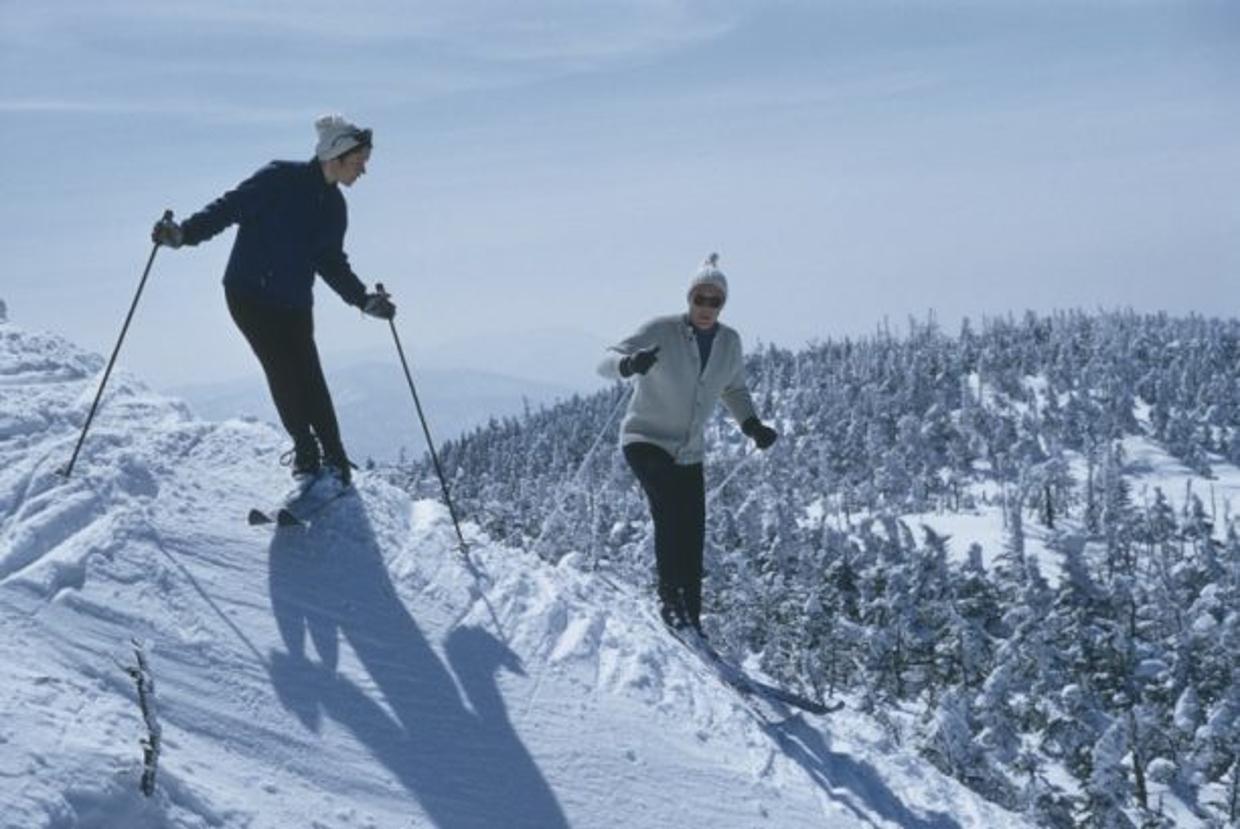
column 708, row 301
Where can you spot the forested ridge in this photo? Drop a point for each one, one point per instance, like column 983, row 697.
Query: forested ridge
column 1072, row 684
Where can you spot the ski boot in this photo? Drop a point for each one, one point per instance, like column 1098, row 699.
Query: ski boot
column 340, row 467
column 672, row 608
column 304, row 457
column 691, row 604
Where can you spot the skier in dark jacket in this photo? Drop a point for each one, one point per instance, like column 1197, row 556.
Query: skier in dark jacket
column 681, row 365
column 291, row 220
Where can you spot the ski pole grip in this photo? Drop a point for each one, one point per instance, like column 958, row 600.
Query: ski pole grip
column 167, row 215
column 380, row 290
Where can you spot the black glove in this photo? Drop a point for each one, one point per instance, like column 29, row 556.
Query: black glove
column 167, row 233
column 379, row 305
column 762, row 434
column 639, row 362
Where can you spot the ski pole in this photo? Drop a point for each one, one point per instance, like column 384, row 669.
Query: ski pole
column 559, row 499
column 746, row 457
column 68, row 468
column 430, row 444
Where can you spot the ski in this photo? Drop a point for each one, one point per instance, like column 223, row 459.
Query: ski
column 747, row 685
column 283, row 517
column 290, row 514
column 734, row 677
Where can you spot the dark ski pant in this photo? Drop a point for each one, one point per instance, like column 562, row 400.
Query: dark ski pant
column 283, row 341
column 677, row 496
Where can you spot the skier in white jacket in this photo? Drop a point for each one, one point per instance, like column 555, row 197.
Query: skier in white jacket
column 682, row 364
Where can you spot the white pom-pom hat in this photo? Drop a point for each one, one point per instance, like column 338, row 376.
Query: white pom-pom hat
column 709, row 274
column 337, row 136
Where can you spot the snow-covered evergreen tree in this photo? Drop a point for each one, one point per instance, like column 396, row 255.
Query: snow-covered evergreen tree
column 812, row 567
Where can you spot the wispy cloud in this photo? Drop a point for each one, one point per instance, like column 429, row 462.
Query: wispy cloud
column 221, row 113
column 262, row 62
column 493, row 30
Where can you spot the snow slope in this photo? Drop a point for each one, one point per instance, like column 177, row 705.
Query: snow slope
column 362, row 672
column 1147, row 466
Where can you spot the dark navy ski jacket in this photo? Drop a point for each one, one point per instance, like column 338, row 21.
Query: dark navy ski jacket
column 290, row 224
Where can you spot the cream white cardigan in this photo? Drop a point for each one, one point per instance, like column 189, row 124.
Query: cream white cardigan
column 672, row 402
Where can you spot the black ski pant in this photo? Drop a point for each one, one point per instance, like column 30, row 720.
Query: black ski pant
column 677, row 496
column 283, row 341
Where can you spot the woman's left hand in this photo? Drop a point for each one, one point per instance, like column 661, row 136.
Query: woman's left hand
column 763, row 435
column 379, row 305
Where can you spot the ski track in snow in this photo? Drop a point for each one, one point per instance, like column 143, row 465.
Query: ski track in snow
column 359, row 673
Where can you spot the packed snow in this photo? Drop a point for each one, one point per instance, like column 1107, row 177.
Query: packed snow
column 363, row 672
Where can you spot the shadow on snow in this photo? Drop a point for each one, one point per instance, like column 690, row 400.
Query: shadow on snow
column 856, row 785
column 460, row 758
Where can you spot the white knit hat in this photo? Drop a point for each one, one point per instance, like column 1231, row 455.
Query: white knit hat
column 709, row 274
column 337, row 136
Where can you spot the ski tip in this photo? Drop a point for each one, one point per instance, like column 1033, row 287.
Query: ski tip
column 258, row 517
column 807, row 705
column 286, row 519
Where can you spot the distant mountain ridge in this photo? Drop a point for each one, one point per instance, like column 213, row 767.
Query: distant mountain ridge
column 462, row 383
column 377, row 417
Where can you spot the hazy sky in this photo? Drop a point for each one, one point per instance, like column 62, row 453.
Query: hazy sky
column 567, row 164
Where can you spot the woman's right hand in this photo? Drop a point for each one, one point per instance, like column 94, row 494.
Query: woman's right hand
column 639, row 362
column 379, row 305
